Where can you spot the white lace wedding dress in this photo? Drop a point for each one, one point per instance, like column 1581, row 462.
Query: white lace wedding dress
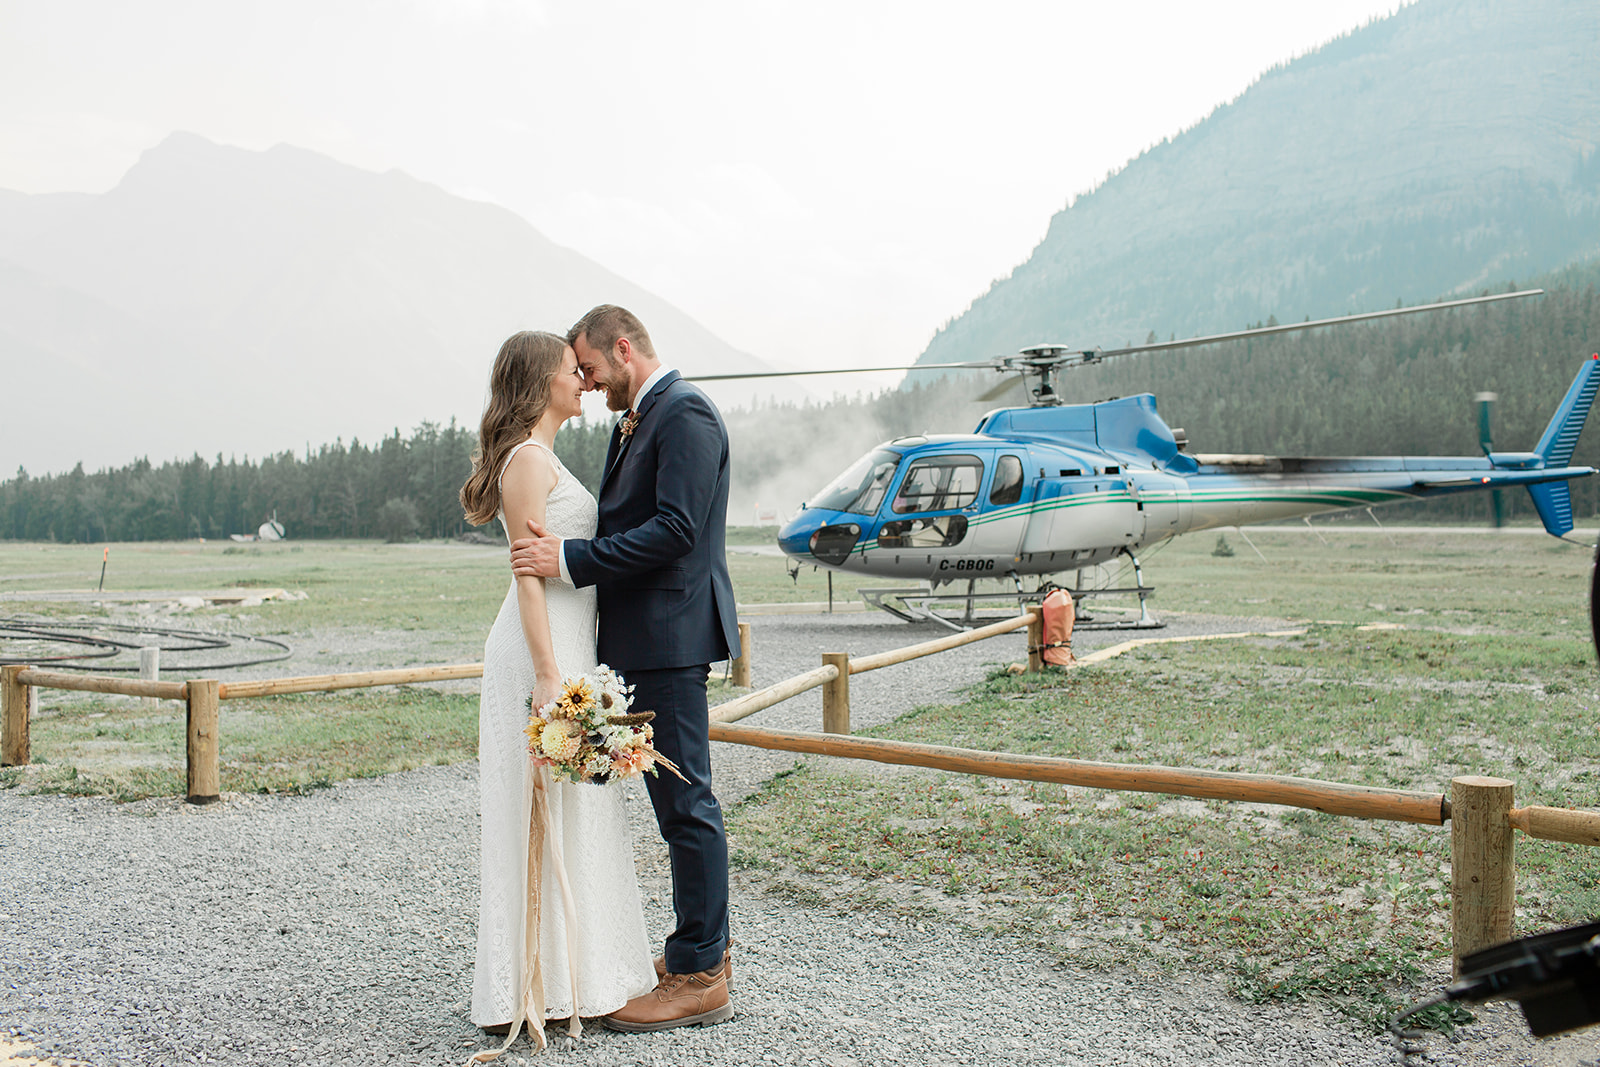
column 590, row 826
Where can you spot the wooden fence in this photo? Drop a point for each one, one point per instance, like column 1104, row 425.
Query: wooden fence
column 1480, row 810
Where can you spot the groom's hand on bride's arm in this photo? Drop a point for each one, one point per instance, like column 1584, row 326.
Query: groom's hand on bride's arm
column 538, row 556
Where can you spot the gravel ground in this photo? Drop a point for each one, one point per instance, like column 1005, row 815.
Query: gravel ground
column 338, row 927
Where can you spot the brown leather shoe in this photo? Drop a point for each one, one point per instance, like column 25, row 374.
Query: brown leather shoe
column 727, row 968
column 677, row 1000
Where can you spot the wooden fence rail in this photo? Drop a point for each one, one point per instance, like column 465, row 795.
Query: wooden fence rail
column 327, row 683
column 928, row 648
column 96, row 683
column 1334, row 798
column 761, row 699
column 1558, row 824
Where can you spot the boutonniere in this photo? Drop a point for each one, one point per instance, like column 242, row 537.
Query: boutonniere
column 630, row 422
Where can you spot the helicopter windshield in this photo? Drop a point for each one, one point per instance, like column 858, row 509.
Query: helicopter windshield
column 860, row 488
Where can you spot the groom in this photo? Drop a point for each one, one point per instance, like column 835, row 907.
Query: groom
column 658, row 562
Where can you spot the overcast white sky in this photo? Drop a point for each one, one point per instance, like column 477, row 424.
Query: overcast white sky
column 819, row 183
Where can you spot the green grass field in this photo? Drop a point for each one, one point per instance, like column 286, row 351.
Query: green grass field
column 1484, row 666
column 438, row 585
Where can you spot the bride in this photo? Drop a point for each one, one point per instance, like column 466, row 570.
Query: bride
column 545, row 950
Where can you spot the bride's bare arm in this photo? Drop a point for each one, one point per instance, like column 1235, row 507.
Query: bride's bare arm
column 525, row 490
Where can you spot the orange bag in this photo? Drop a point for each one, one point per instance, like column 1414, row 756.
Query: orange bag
column 1058, row 619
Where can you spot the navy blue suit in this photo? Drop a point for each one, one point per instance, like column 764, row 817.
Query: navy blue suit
column 658, row 562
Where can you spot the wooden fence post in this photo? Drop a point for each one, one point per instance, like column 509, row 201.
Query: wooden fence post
column 16, row 705
column 1036, row 642
column 1483, row 880
column 836, row 695
column 203, row 749
column 741, row 662
column 150, row 668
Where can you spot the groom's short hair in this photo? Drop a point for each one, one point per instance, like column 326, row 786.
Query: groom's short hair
column 601, row 327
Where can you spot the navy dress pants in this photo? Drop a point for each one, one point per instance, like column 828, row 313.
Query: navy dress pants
column 688, row 813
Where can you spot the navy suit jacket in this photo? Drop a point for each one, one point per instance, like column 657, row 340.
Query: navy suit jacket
column 658, row 560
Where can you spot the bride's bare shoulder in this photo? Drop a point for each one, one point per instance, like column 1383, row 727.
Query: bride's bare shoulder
column 529, row 476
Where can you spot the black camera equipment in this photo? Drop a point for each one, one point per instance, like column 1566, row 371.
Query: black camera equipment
column 1554, row 977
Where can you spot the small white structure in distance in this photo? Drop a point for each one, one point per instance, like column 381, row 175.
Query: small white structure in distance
column 271, row 530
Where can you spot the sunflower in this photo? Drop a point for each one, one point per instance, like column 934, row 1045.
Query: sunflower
column 576, row 693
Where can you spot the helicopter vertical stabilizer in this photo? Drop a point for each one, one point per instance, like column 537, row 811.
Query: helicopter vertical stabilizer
column 1561, row 436
column 1553, row 500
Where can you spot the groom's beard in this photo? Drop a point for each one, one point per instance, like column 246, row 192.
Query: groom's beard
column 615, row 387
column 616, row 395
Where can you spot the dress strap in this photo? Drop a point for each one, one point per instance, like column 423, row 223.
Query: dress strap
column 501, row 481
column 541, row 444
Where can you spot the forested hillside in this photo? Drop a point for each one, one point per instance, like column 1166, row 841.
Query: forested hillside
column 1443, row 149
column 399, row 488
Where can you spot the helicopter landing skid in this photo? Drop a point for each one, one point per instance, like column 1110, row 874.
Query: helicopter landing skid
column 916, row 604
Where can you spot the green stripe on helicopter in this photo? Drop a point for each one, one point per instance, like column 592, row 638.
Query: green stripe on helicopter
column 1325, row 497
column 1329, row 497
column 1026, row 511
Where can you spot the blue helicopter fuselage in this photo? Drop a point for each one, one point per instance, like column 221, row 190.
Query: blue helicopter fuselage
column 1049, row 489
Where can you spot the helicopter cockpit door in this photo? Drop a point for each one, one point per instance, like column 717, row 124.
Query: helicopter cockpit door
column 931, row 512
column 996, row 531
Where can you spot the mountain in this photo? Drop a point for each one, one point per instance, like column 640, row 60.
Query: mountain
column 1439, row 151
column 226, row 301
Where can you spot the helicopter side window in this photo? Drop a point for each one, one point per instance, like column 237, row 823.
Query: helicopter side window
column 941, row 532
column 940, row 483
column 1007, row 487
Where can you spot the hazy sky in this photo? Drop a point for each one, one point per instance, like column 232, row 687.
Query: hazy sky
column 819, row 182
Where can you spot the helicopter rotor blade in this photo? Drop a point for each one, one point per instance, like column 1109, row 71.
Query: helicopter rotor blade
column 1263, row 331
column 1006, row 385
column 1055, row 357
column 987, row 364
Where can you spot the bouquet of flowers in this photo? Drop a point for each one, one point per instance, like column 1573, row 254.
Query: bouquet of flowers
column 586, row 734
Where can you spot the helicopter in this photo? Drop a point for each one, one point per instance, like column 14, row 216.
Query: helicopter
column 1055, row 488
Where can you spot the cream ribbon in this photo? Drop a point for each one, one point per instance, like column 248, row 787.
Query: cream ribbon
column 530, row 999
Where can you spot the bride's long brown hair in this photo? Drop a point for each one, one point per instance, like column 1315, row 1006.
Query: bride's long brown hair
column 519, row 392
